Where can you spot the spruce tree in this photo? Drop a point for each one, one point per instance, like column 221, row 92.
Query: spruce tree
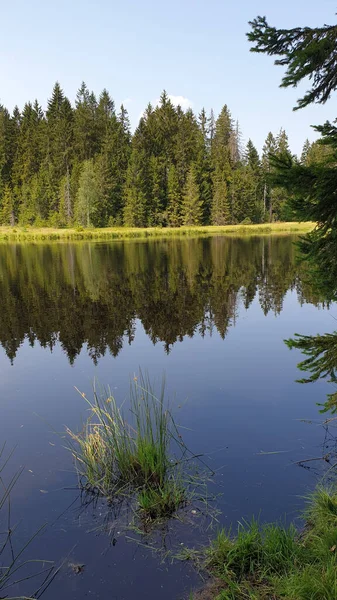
column 192, row 210
column 221, row 144
column 174, row 198
column 85, row 129
column 65, row 200
column 305, row 152
column 87, row 206
column 252, row 158
column 7, row 207
column 268, row 151
column 203, row 164
column 220, row 213
column 135, row 204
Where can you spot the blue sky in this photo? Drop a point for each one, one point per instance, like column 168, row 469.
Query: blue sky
column 195, row 49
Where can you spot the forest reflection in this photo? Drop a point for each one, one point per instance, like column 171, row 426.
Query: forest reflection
column 92, row 294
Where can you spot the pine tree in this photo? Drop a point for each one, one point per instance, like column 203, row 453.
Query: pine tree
column 203, row 164
column 305, row 152
column 279, row 196
column 85, row 126
column 60, row 125
column 135, row 207
column 174, row 198
column 252, row 158
column 234, row 145
column 268, row 151
column 221, row 145
column 244, row 196
column 65, row 203
column 220, row 214
column 87, row 207
column 192, row 210
column 211, row 129
column 7, row 212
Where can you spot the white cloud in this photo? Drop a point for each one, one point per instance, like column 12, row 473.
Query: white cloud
column 185, row 103
column 127, row 101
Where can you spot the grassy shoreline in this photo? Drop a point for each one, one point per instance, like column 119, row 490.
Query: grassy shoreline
column 274, row 562
column 37, row 234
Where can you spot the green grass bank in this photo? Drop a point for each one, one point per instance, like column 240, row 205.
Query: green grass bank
column 273, row 562
column 40, row 234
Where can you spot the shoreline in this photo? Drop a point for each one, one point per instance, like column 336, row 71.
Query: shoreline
column 36, row 234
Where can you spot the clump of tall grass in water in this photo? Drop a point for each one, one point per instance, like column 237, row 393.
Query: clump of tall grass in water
column 140, row 456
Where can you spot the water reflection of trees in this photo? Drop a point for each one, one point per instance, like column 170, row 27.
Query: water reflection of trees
column 92, row 294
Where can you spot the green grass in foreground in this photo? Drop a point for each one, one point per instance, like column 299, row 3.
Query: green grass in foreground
column 120, row 459
column 277, row 563
column 23, row 234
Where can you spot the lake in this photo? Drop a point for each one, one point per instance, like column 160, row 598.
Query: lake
column 209, row 313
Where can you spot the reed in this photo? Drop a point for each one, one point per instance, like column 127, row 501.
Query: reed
column 139, row 457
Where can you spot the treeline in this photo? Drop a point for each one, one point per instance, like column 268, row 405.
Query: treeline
column 81, row 165
column 96, row 297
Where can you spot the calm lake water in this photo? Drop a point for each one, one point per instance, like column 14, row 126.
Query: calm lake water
column 211, row 314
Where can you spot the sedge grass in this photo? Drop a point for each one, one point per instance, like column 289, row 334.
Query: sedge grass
column 139, row 457
column 276, row 562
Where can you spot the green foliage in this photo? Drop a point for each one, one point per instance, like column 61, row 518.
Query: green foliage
column 141, row 178
column 221, row 212
column 311, row 183
column 321, row 351
column 273, row 561
column 118, row 458
column 305, row 52
column 174, row 198
column 88, row 210
column 161, row 501
column 191, row 209
column 7, row 214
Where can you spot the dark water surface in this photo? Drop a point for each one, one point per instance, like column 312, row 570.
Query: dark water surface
column 212, row 315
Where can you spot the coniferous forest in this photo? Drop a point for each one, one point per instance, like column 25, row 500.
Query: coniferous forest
column 81, row 165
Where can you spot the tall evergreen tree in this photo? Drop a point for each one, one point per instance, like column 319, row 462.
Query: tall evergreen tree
column 192, row 210
column 174, row 198
column 87, row 207
column 85, row 126
column 221, row 144
column 135, row 207
column 268, row 151
column 220, row 214
column 305, row 152
column 7, row 207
